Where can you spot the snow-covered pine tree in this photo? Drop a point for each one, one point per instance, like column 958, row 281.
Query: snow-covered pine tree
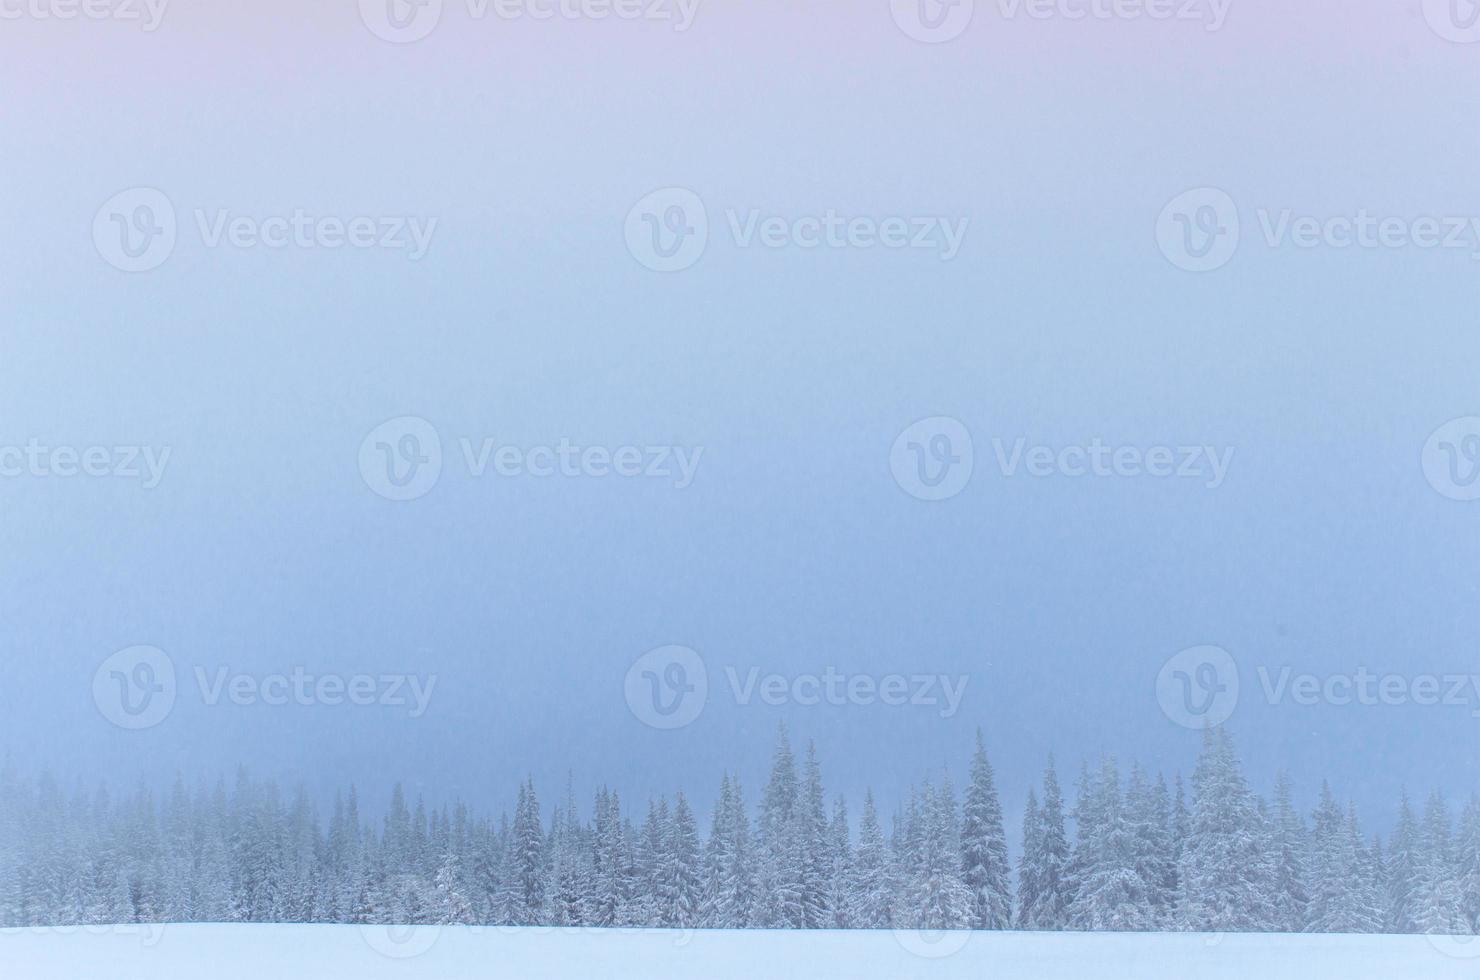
column 1050, row 863
column 305, row 887
column 1369, row 881
column 1438, row 900
column 986, row 871
column 1404, row 858
column 1224, row 873
column 1343, row 896
column 873, row 898
column 1181, row 825
column 936, row 897
column 840, row 882
column 1148, row 816
column 1168, row 886
column 570, row 880
column 1111, row 895
column 812, row 845
column 779, row 888
column 1289, row 848
column 1083, row 856
column 11, row 855
column 176, row 859
column 604, row 903
column 1028, row 861
column 1467, row 863
column 712, row 913
column 524, row 864
column 651, row 902
column 683, row 890
column 453, row 907
column 727, row 872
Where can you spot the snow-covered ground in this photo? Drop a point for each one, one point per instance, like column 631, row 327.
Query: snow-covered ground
column 260, row 952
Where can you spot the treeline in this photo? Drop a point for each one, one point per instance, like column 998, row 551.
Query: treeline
column 1143, row 856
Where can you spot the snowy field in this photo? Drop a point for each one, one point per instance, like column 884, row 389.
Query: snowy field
column 256, row 952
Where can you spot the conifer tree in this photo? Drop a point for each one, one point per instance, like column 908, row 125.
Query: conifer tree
column 1224, row 873
column 841, row 882
column 524, row 865
column 873, row 889
column 683, row 890
column 986, row 871
column 1028, row 890
column 1404, row 860
column 1289, row 847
